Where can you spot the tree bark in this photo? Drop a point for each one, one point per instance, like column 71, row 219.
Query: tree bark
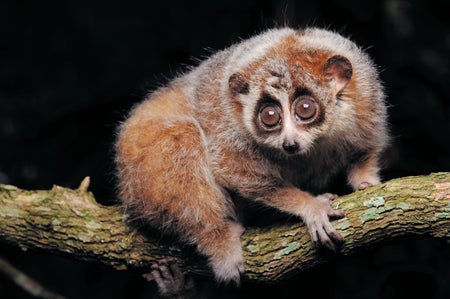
column 71, row 223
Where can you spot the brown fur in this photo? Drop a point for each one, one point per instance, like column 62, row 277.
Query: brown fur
column 188, row 144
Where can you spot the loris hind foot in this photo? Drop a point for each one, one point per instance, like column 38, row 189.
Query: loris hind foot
column 171, row 281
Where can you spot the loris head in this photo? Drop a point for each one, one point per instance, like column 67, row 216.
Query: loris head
column 292, row 96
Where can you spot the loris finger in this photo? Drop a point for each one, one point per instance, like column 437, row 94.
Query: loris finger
column 336, row 213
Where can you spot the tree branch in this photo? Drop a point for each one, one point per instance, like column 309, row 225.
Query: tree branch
column 70, row 222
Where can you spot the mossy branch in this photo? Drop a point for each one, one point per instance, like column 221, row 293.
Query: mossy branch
column 72, row 223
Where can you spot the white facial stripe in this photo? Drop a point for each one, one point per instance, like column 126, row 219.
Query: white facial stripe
column 273, row 81
column 289, row 128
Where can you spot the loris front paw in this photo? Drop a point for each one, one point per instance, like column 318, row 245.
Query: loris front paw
column 317, row 219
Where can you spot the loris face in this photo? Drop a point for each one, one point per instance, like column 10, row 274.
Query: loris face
column 288, row 101
column 286, row 124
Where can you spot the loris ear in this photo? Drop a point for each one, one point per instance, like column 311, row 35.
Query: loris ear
column 338, row 70
column 238, row 84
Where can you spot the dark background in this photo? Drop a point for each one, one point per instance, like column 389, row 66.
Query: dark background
column 70, row 71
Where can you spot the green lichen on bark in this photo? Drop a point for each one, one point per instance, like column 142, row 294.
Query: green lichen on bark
column 72, row 223
column 287, row 249
column 374, row 201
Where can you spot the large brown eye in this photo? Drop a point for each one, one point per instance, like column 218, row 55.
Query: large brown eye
column 270, row 116
column 305, row 108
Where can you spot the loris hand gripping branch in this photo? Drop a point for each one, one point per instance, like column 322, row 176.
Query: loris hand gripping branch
column 272, row 119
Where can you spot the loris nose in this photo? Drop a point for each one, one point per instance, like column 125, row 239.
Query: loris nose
column 291, row 147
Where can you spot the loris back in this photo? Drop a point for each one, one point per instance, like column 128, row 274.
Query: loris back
column 272, row 119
